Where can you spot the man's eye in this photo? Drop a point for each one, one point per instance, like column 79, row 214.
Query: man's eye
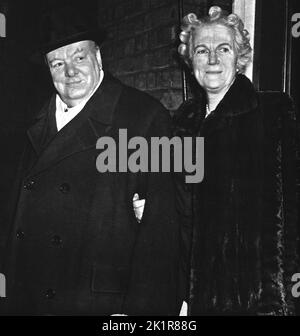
column 57, row 65
column 80, row 58
column 224, row 50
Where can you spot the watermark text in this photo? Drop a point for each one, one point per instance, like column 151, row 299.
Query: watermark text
column 2, row 285
column 296, row 26
column 296, row 286
column 158, row 154
column 2, row 25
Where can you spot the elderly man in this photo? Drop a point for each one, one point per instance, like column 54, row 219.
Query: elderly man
column 76, row 245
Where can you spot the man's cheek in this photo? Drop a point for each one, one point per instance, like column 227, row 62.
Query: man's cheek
column 60, row 87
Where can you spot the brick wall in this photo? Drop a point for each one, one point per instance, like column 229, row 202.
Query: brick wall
column 201, row 7
column 141, row 47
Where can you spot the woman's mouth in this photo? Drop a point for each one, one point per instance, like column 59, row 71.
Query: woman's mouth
column 213, row 72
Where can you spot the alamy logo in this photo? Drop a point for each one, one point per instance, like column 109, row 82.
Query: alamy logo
column 2, row 25
column 157, row 154
column 296, row 26
column 296, row 287
column 2, row 285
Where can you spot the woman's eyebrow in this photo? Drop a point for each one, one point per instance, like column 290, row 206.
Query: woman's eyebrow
column 200, row 45
column 225, row 44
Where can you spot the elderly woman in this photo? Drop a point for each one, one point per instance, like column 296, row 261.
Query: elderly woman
column 239, row 223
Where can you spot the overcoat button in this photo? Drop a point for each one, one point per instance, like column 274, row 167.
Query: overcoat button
column 50, row 293
column 28, row 185
column 20, row 234
column 64, row 188
column 56, row 240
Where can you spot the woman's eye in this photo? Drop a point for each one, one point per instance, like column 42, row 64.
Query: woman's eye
column 201, row 51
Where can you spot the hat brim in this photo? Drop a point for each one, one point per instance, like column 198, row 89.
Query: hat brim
column 97, row 35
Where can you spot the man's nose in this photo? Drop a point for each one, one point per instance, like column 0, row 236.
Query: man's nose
column 213, row 58
column 70, row 70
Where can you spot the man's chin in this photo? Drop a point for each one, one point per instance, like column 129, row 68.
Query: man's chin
column 76, row 95
column 73, row 100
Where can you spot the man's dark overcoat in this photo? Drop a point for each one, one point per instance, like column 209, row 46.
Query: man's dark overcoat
column 75, row 246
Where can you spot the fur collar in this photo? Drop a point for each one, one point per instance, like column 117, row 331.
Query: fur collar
column 240, row 99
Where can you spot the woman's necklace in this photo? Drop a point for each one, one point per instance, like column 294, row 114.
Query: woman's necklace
column 207, row 110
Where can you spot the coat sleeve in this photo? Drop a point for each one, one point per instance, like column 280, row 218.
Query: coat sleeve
column 186, row 123
column 153, row 286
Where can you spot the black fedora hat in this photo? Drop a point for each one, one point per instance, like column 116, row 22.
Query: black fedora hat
column 65, row 25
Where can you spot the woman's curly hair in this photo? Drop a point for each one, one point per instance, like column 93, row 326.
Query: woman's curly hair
column 216, row 16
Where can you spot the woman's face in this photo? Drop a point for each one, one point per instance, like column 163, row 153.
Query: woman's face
column 214, row 57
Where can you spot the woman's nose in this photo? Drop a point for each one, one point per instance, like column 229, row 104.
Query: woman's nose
column 70, row 70
column 213, row 58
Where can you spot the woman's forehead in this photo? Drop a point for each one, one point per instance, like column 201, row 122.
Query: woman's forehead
column 213, row 33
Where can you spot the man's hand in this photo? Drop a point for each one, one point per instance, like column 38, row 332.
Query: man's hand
column 138, row 207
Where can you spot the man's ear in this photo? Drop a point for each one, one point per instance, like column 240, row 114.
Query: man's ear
column 46, row 61
column 98, row 56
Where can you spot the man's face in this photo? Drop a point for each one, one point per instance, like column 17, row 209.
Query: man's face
column 75, row 70
column 214, row 57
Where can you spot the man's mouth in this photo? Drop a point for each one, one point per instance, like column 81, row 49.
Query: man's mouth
column 74, row 83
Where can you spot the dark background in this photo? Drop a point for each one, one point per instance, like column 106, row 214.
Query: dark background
column 140, row 50
column 141, row 45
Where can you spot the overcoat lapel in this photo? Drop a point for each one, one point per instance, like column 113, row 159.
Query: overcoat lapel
column 37, row 132
column 81, row 133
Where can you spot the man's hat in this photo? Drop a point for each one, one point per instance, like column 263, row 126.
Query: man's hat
column 66, row 25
